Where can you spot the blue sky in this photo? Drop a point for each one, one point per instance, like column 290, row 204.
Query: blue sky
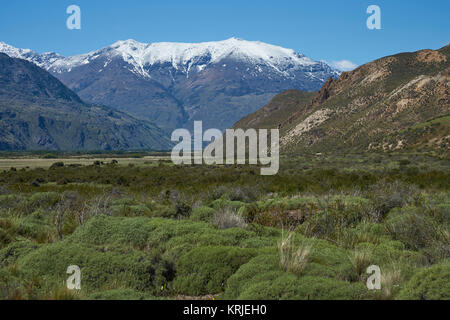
column 331, row 30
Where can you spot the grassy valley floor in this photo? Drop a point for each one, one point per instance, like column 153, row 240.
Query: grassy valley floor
column 140, row 227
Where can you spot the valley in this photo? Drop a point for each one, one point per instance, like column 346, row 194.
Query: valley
column 86, row 177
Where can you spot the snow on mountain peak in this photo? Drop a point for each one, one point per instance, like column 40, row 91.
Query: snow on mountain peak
column 183, row 55
column 180, row 55
column 14, row 52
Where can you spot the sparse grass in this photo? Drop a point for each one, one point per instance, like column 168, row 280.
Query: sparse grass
column 227, row 218
column 293, row 258
column 391, row 280
column 361, row 259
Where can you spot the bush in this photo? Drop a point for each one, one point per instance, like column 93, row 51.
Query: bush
column 5, row 238
column 101, row 269
column 14, row 251
column 224, row 203
column 202, row 213
column 288, row 287
column 205, row 270
column 243, row 194
column 270, row 282
column 418, row 231
column 171, row 237
column 43, row 200
column 430, row 284
column 387, row 196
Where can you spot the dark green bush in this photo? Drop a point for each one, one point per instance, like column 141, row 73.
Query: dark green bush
column 429, row 284
column 101, row 268
column 205, row 270
column 288, row 287
column 272, row 283
column 202, row 213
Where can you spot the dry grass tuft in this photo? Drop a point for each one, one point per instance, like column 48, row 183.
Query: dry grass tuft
column 293, row 258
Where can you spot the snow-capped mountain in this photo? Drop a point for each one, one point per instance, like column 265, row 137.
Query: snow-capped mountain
column 176, row 83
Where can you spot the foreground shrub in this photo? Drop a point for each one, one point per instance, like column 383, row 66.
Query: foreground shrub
column 101, row 268
column 270, row 282
column 14, row 251
column 429, row 284
column 288, row 287
column 205, row 270
column 170, row 237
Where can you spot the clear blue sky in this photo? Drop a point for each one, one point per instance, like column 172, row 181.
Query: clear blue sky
column 328, row 30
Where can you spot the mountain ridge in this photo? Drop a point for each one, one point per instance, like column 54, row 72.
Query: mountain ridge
column 37, row 112
column 174, row 84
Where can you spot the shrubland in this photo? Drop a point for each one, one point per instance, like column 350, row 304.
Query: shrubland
column 159, row 231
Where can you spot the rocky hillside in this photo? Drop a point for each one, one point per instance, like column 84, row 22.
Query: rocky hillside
column 394, row 103
column 37, row 112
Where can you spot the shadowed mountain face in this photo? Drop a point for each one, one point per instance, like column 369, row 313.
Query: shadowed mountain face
column 394, row 103
column 173, row 84
column 37, row 112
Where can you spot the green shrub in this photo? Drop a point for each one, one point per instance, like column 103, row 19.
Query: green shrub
column 101, row 268
column 43, row 200
column 5, row 238
column 288, row 287
column 205, row 270
column 175, row 237
column 268, row 266
column 387, row 196
column 202, row 213
column 429, row 284
column 270, row 282
column 15, row 250
column 420, row 232
column 243, row 194
column 224, row 203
